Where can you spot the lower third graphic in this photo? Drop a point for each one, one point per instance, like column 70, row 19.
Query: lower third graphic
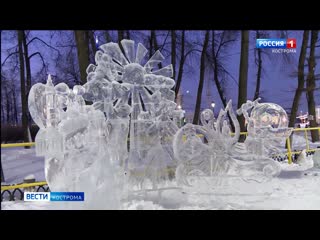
column 53, row 196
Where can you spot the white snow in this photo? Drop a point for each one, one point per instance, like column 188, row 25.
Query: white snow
column 18, row 162
column 295, row 188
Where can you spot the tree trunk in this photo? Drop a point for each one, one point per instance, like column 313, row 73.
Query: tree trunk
column 82, row 40
column 217, row 82
column 2, row 111
column 173, row 52
column 28, row 71
column 151, row 42
column 302, row 57
column 15, row 106
column 181, row 64
column 92, row 42
column 201, row 80
column 120, row 35
column 23, row 88
column 108, row 37
column 7, row 104
column 154, row 43
column 257, row 92
column 215, row 73
column 128, row 34
column 243, row 78
column 311, row 86
column 27, row 63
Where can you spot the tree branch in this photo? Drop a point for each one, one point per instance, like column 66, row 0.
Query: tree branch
column 37, row 53
column 36, row 38
column 8, row 57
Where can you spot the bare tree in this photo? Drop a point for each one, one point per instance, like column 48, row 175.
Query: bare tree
column 26, row 131
column 107, row 36
column 311, row 84
column 120, row 35
column 299, row 90
column 181, row 64
column 258, row 61
column 173, row 52
column 92, row 43
column 201, row 80
column 82, row 41
column 243, row 77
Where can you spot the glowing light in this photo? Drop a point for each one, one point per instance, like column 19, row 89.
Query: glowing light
column 213, row 104
column 187, row 91
column 179, row 107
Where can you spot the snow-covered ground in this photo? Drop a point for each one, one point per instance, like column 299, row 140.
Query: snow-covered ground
column 295, row 188
column 299, row 141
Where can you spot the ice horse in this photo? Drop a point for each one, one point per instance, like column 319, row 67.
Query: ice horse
column 118, row 125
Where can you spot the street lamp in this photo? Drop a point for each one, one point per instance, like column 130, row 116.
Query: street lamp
column 213, row 104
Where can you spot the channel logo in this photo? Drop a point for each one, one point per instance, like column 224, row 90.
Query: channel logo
column 53, row 196
column 276, row 43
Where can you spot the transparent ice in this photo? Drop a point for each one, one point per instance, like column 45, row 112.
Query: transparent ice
column 118, row 132
column 211, row 149
column 123, row 135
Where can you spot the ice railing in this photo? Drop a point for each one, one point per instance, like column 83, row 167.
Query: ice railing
column 84, row 131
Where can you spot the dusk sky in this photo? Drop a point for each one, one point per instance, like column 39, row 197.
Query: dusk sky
column 276, row 85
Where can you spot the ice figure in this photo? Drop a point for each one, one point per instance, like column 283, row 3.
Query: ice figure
column 211, row 150
column 267, row 127
column 72, row 139
column 139, row 106
column 125, row 131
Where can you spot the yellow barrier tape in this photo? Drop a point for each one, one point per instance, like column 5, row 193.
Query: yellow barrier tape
column 306, row 129
column 23, row 185
column 9, row 145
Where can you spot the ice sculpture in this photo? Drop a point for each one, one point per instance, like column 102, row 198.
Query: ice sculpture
column 211, row 150
column 126, row 131
column 267, row 127
column 72, row 139
column 139, row 106
column 316, row 159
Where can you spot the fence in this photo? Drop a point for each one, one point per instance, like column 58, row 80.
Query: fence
column 12, row 190
column 308, row 149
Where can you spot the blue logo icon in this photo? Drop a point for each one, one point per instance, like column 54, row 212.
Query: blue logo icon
column 271, row 43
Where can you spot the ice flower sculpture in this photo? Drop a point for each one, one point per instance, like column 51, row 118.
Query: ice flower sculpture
column 139, row 105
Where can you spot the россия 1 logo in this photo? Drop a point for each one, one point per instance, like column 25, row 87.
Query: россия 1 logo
column 278, row 44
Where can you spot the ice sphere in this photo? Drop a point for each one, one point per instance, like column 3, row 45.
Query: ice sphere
column 133, row 73
column 62, row 89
